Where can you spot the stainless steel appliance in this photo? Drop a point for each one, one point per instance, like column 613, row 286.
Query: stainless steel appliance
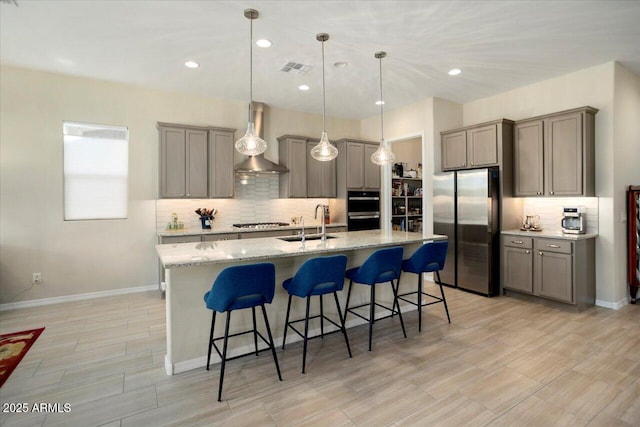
column 261, row 225
column 572, row 220
column 465, row 208
column 363, row 210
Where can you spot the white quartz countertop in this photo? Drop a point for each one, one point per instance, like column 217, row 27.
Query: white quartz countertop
column 234, row 230
column 262, row 249
column 551, row 234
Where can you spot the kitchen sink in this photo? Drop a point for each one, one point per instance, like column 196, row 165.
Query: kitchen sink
column 307, row 237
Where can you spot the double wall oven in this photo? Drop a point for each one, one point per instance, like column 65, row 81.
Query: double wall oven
column 363, row 210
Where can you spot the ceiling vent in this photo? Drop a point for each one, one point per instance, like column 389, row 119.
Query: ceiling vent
column 294, row 66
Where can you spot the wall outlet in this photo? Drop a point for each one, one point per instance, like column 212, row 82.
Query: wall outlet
column 36, row 278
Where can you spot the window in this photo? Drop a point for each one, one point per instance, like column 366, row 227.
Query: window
column 96, row 171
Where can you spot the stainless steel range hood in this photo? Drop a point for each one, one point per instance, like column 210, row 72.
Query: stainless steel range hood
column 254, row 165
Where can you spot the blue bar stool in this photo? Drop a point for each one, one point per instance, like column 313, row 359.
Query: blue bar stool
column 429, row 258
column 235, row 288
column 382, row 266
column 316, row 276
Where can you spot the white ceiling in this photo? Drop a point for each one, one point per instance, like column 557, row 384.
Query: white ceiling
column 500, row 45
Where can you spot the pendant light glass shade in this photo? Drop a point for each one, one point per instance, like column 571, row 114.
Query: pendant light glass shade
column 251, row 144
column 383, row 155
column 324, row 151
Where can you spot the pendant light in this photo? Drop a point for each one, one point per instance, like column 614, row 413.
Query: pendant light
column 383, row 155
column 251, row 144
column 324, row 151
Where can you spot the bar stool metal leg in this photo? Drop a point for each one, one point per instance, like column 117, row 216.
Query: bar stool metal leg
column 255, row 329
column 444, row 300
column 224, row 355
column 321, row 319
column 419, row 302
column 286, row 323
column 372, row 311
column 346, row 307
column 213, row 324
column 344, row 330
column 395, row 298
column 273, row 348
column 306, row 334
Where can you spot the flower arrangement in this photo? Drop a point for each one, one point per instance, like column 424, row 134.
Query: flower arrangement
column 206, row 216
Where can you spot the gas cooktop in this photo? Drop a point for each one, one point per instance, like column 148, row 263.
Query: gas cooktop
column 261, row 225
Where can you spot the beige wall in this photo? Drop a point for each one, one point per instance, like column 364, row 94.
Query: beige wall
column 89, row 256
column 626, row 138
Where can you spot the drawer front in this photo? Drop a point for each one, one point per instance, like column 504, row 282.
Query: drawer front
column 180, row 239
column 552, row 245
column 517, row 241
column 218, row 237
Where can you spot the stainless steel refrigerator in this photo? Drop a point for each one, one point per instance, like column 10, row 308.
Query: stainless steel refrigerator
column 465, row 208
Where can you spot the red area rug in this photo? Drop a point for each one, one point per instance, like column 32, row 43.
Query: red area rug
column 13, row 347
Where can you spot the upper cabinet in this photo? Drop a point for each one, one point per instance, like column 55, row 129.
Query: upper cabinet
column 476, row 146
column 195, row 161
column 554, row 155
column 221, row 173
column 321, row 176
column 355, row 169
column 307, row 177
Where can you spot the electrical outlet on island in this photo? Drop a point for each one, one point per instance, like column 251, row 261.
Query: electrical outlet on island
column 36, row 278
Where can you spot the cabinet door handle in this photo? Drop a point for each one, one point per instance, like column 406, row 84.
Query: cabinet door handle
column 553, row 246
column 551, row 192
column 540, row 253
column 527, row 252
column 188, row 195
column 517, row 242
column 471, row 163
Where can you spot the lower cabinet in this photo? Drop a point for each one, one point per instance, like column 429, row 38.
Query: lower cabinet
column 556, row 269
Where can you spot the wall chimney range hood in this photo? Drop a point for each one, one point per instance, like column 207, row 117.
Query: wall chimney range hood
column 254, row 165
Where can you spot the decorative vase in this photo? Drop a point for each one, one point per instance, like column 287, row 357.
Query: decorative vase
column 206, row 222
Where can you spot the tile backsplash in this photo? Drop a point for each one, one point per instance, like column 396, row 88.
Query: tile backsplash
column 256, row 201
column 550, row 211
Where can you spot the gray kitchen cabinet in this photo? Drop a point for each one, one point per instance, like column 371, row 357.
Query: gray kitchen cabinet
column 355, row 170
column 321, row 176
column 221, row 173
column 307, row 177
column 183, row 162
column 218, row 237
column 553, row 269
column 553, row 275
column 481, row 145
column 454, row 150
column 180, row 239
column 517, row 269
column 528, row 152
column 555, row 154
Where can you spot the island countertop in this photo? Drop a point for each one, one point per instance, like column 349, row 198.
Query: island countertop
column 201, row 253
column 191, row 268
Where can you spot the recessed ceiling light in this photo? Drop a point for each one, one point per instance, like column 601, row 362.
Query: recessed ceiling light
column 455, row 71
column 191, row 64
column 303, row 87
column 264, row 43
column 379, row 102
column 340, row 64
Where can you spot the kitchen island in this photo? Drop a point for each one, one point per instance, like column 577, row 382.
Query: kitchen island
column 191, row 269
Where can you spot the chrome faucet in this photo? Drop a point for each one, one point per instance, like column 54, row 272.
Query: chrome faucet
column 301, row 232
column 323, row 208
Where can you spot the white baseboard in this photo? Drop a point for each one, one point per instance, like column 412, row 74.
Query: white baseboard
column 78, row 297
column 613, row 305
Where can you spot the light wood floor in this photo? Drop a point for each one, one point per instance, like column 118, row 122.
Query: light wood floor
column 501, row 362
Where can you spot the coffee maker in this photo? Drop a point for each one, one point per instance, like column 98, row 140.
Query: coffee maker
column 573, row 219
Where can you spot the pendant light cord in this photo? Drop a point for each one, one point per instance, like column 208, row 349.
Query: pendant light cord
column 250, row 68
column 323, row 92
column 381, row 104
